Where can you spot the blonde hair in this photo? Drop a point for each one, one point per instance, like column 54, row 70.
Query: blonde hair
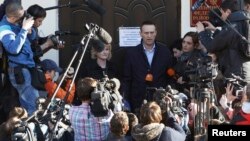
column 119, row 123
column 150, row 113
column 94, row 52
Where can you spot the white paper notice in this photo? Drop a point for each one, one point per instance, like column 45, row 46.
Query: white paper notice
column 129, row 36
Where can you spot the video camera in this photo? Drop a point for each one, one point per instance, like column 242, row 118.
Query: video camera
column 200, row 70
column 105, row 97
column 179, row 100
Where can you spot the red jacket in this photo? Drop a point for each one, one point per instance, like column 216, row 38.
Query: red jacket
column 51, row 86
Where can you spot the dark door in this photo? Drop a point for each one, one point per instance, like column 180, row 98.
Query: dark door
column 165, row 13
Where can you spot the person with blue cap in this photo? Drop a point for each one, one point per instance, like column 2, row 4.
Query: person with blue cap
column 50, row 68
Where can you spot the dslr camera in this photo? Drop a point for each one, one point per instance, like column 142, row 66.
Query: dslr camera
column 54, row 39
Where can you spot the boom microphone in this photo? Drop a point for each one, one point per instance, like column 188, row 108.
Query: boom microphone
column 67, row 32
column 95, row 7
column 197, row 4
column 104, row 36
column 70, row 5
column 101, row 34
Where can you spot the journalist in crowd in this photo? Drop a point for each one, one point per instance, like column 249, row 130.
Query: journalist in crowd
column 41, row 45
column 238, row 115
column 229, row 44
column 85, row 124
column 150, row 127
column 17, row 35
column 119, row 126
column 16, row 39
column 187, row 60
column 50, row 68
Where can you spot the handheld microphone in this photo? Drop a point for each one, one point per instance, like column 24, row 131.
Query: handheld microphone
column 171, row 73
column 95, row 7
column 197, row 4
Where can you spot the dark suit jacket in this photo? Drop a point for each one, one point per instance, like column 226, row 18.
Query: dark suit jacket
column 136, row 68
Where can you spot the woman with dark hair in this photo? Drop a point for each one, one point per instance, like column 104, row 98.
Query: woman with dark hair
column 190, row 53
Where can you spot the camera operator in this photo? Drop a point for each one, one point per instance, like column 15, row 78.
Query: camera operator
column 50, row 68
column 228, row 44
column 243, row 116
column 41, row 44
column 16, row 41
column 227, row 101
column 86, row 126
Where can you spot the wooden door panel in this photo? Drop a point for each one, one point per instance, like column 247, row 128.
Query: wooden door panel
column 165, row 13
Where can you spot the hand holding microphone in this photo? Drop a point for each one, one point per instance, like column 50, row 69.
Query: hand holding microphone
column 171, row 73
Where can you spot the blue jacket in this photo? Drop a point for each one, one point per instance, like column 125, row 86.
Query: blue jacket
column 16, row 42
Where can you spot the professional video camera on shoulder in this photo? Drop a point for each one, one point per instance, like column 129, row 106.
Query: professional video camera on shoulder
column 105, row 97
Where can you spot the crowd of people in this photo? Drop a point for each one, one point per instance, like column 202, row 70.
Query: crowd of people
column 164, row 93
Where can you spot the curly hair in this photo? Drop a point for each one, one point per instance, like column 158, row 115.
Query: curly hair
column 119, row 123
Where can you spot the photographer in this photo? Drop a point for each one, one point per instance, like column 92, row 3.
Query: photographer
column 50, row 68
column 227, row 101
column 228, row 44
column 243, row 116
column 41, row 44
column 86, row 126
column 16, row 42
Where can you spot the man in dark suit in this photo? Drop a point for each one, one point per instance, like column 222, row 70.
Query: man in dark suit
column 145, row 67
